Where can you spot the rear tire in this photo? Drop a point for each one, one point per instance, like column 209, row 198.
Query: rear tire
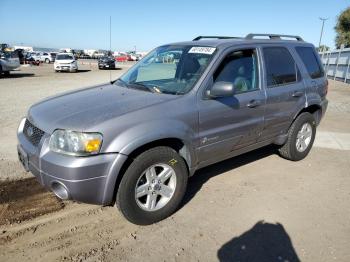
column 300, row 138
column 47, row 61
column 148, row 166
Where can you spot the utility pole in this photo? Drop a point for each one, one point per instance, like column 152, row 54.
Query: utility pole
column 110, row 34
column 319, row 43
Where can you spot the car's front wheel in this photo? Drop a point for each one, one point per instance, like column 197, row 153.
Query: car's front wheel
column 300, row 139
column 47, row 61
column 153, row 186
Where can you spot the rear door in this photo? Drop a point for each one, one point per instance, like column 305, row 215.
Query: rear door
column 229, row 123
column 284, row 89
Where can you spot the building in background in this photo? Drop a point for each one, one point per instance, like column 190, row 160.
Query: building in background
column 25, row 48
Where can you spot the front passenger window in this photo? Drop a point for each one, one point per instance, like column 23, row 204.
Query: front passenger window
column 241, row 69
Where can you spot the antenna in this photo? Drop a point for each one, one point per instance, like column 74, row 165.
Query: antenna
column 110, row 44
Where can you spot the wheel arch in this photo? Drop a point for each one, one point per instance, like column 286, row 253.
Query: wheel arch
column 175, row 143
column 314, row 109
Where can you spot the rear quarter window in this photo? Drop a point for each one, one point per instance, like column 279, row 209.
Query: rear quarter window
column 281, row 68
column 312, row 64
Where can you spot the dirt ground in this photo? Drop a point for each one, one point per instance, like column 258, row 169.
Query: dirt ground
column 255, row 207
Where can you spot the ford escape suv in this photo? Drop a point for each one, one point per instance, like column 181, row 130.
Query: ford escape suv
column 135, row 141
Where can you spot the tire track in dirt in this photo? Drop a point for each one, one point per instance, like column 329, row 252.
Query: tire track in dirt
column 25, row 199
column 86, row 231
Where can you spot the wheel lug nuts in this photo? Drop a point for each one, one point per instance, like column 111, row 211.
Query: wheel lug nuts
column 153, row 181
column 153, row 192
column 149, row 188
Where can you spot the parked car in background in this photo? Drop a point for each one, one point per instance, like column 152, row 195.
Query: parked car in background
column 65, row 62
column 122, row 58
column 29, row 59
column 36, row 56
column 8, row 62
column 48, row 57
column 132, row 57
column 106, row 62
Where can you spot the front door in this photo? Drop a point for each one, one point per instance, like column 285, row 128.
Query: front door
column 229, row 123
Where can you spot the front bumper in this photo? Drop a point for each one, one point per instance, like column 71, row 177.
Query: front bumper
column 85, row 179
column 69, row 67
column 103, row 65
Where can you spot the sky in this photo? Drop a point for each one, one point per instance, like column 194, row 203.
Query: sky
column 147, row 24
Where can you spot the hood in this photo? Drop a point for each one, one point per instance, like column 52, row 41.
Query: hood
column 82, row 109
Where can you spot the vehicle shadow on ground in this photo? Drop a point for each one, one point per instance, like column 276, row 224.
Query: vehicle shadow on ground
column 111, row 69
column 264, row 242
column 78, row 71
column 201, row 176
column 17, row 75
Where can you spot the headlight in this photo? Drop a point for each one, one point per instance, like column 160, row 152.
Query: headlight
column 75, row 143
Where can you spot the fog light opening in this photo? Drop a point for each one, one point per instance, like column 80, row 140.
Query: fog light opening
column 60, row 190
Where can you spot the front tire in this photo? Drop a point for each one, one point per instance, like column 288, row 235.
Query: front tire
column 47, row 61
column 300, row 139
column 153, row 186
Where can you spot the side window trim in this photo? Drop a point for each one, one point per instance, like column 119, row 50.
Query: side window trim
column 298, row 73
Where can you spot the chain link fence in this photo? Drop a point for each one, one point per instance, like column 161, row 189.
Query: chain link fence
column 336, row 64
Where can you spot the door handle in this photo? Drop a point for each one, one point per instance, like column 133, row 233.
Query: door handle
column 253, row 103
column 297, row 94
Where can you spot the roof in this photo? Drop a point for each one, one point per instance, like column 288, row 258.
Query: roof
column 226, row 41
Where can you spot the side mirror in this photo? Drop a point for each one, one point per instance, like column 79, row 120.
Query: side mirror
column 221, row 89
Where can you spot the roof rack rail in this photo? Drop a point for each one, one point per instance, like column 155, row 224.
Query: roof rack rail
column 214, row 37
column 273, row 36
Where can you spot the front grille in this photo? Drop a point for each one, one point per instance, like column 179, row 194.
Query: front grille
column 33, row 133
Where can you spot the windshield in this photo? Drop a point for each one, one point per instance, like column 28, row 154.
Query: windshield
column 172, row 69
column 64, row 57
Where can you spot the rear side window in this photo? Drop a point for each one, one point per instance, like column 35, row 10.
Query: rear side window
column 280, row 66
column 308, row 56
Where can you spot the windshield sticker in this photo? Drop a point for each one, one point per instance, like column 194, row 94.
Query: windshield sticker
column 202, row 50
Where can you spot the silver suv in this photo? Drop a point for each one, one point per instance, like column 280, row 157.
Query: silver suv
column 135, row 141
column 48, row 57
column 8, row 62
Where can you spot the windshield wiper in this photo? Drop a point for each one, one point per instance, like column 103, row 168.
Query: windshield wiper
column 139, row 85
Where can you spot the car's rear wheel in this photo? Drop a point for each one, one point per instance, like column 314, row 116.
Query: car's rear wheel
column 300, row 139
column 153, row 186
column 47, row 61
